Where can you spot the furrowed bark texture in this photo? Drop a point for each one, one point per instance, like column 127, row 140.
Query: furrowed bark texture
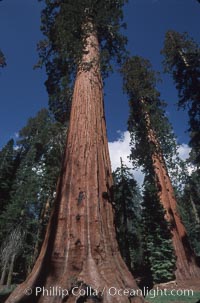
column 186, row 264
column 80, row 246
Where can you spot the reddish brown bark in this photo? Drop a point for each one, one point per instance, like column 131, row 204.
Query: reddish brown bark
column 186, row 265
column 80, row 245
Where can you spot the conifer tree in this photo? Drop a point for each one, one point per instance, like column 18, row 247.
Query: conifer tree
column 127, row 207
column 80, row 247
column 190, row 209
column 159, row 259
column 153, row 147
column 39, row 151
column 9, row 250
column 9, row 161
column 182, row 61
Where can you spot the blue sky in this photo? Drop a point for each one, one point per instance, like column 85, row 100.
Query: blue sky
column 22, row 90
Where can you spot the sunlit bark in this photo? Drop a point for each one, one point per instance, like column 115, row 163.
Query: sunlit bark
column 186, row 265
column 80, row 246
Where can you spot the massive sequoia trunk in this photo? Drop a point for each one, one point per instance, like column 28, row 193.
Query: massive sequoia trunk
column 186, row 264
column 80, row 247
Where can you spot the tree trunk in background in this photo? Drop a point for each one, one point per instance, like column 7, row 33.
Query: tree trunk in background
column 80, row 246
column 126, row 246
column 180, row 51
column 186, row 265
column 3, row 274
column 10, row 273
column 194, row 210
column 40, row 233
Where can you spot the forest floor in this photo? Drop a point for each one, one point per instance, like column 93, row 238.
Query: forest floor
column 175, row 299
column 181, row 292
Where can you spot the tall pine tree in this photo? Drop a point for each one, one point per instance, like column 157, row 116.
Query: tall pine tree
column 127, row 207
column 29, row 192
column 9, row 161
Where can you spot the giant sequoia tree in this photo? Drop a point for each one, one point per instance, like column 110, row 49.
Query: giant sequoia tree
column 182, row 60
column 80, row 247
column 152, row 147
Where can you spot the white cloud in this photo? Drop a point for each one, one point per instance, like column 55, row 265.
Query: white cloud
column 184, row 151
column 121, row 149
column 16, row 135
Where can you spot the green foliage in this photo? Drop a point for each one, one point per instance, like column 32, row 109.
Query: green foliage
column 61, row 51
column 41, row 146
column 182, row 61
column 159, row 259
column 190, row 209
column 9, row 161
column 145, row 104
column 191, row 297
column 127, row 216
column 151, row 134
